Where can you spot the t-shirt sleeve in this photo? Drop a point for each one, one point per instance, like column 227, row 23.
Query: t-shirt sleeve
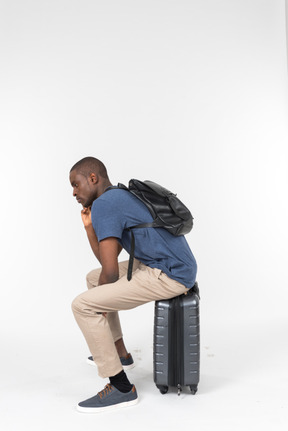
column 106, row 220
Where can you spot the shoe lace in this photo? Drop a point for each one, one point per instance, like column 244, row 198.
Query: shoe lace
column 105, row 391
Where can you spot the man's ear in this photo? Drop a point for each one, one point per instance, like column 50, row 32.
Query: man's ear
column 94, row 178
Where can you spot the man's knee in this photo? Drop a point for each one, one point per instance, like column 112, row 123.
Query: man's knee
column 83, row 304
column 78, row 304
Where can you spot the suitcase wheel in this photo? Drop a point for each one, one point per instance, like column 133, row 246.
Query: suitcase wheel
column 193, row 389
column 163, row 389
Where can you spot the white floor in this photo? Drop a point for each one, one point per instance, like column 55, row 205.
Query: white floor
column 243, row 383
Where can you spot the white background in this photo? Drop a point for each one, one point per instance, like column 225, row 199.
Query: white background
column 190, row 94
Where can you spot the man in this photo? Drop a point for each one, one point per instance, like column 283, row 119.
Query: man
column 164, row 267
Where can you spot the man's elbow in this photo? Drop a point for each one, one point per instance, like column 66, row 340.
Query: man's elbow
column 108, row 277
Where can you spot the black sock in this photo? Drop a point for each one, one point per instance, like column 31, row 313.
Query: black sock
column 121, row 382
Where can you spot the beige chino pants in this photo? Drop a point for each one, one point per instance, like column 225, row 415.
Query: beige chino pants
column 147, row 284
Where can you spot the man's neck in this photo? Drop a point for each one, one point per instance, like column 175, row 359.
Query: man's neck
column 104, row 186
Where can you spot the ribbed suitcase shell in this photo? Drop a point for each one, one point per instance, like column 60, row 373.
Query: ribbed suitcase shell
column 176, row 349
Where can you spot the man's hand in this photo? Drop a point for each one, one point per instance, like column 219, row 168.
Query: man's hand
column 86, row 217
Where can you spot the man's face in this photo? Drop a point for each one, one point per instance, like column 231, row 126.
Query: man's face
column 83, row 188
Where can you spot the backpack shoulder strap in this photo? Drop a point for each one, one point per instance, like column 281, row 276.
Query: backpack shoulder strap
column 119, row 186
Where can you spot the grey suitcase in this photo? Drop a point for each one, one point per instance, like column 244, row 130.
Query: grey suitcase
column 176, row 346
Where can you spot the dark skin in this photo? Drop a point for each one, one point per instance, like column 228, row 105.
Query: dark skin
column 86, row 189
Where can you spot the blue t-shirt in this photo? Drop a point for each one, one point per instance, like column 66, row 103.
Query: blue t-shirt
column 117, row 209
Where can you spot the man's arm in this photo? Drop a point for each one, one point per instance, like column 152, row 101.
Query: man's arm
column 93, row 240
column 108, row 251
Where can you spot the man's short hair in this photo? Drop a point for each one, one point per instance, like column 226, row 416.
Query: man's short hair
column 90, row 165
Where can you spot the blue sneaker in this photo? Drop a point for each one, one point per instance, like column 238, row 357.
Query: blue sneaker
column 127, row 362
column 108, row 399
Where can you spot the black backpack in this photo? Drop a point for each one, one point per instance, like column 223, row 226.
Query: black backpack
column 166, row 209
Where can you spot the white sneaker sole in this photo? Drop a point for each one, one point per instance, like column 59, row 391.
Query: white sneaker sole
column 125, row 367
column 107, row 408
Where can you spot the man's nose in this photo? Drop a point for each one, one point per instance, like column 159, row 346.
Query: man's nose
column 74, row 192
